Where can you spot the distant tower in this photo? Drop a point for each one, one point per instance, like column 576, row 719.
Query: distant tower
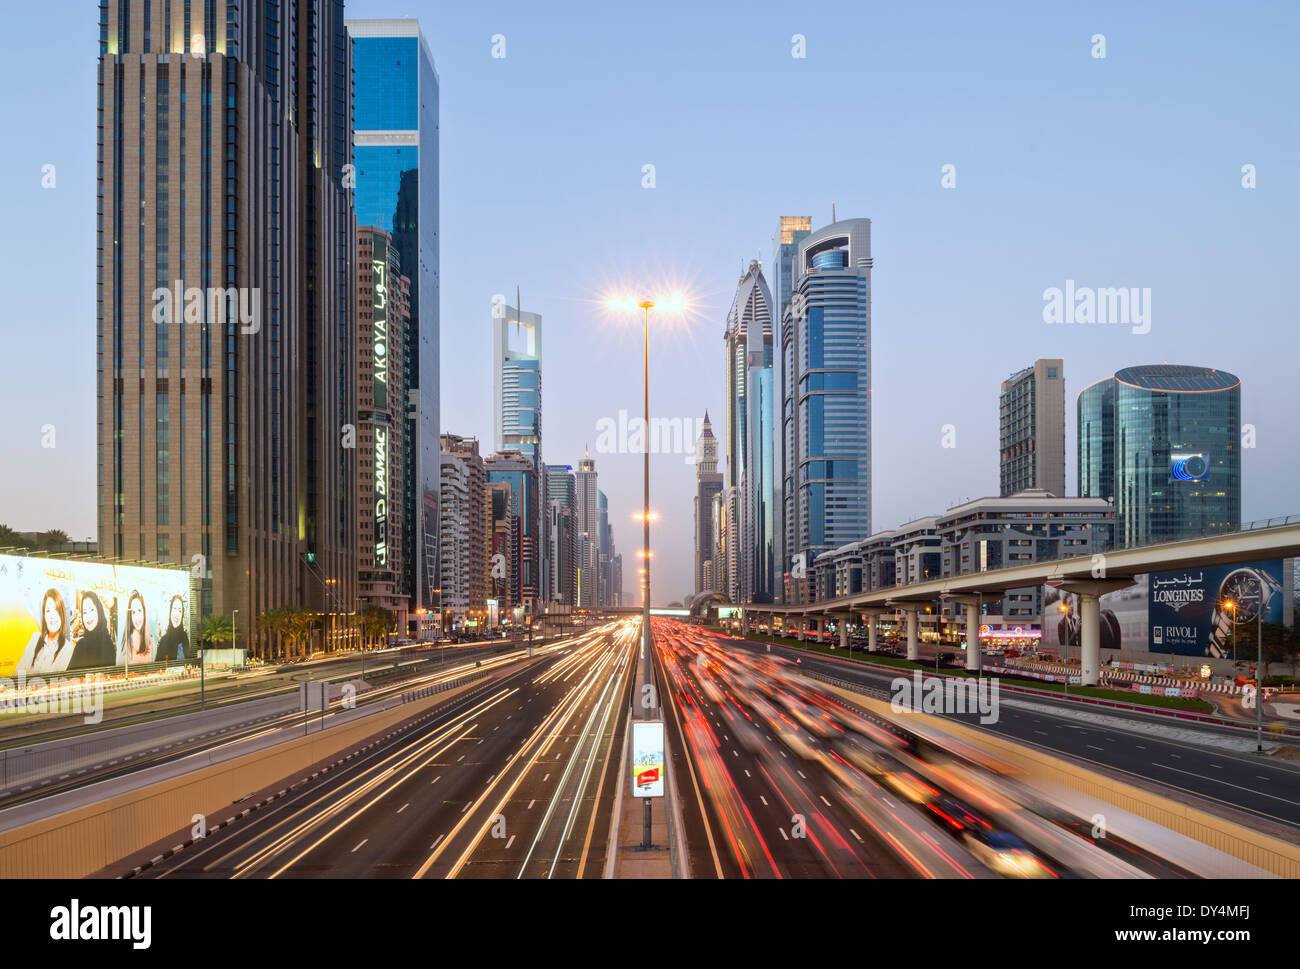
column 708, row 482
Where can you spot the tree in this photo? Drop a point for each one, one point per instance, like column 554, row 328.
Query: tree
column 8, row 537
column 376, row 621
column 53, row 539
column 273, row 624
column 298, row 627
column 1280, row 643
column 217, row 629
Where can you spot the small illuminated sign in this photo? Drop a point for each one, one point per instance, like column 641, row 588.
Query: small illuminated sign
column 381, row 496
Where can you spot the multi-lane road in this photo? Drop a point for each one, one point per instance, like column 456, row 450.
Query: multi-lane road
column 515, row 780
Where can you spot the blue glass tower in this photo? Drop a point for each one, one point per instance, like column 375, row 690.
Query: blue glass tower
column 826, row 406
column 396, row 139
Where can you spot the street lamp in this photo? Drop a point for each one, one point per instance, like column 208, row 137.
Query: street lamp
column 675, row 303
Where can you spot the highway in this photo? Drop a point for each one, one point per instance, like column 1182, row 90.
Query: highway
column 1145, row 748
column 780, row 779
column 516, row 780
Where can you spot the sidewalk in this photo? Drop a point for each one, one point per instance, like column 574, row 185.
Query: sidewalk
column 627, row 859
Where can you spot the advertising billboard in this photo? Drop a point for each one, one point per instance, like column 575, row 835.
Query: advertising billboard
column 1192, row 612
column 647, row 758
column 1123, row 618
column 61, row 615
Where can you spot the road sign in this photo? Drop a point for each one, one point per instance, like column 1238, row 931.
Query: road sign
column 647, row 758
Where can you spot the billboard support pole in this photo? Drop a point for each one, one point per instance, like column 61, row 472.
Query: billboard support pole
column 1259, row 669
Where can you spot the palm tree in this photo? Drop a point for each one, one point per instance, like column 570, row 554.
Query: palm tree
column 272, row 623
column 8, row 537
column 53, row 538
column 376, row 621
column 298, row 627
column 217, row 629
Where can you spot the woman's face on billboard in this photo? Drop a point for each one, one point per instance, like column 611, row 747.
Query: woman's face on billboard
column 178, row 613
column 137, row 615
column 89, row 614
column 52, row 623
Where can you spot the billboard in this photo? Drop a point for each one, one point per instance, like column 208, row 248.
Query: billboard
column 1189, row 466
column 1183, row 612
column 648, row 758
column 1123, row 618
column 1192, row 612
column 61, row 615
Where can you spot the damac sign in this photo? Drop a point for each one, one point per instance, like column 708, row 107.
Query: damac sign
column 381, row 496
column 380, row 265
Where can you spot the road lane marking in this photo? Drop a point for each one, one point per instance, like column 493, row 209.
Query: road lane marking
column 783, row 834
column 363, row 841
column 403, row 807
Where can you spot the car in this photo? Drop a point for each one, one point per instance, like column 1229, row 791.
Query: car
column 1004, row 853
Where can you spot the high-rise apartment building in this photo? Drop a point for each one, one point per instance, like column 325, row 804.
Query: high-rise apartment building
column 466, row 538
column 1170, row 455
column 562, row 573
column 382, row 430
column 790, row 231
column 708, row 482
column 226, row 302
column 396, row 158
column 1031, row 421
column 524, row 561
column 826, row 399
column 587, row 531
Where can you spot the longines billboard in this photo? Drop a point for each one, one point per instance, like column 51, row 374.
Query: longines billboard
column 1188, row 612
column 64, row 614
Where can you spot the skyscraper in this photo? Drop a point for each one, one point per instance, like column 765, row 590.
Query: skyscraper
column 517, row 380
column 382, row 432
column 708, row 482
column 759, row 514
column 790, row 231
column 748, row 330
column 524, row 560
column 561, row 534
column 826, row 353
column 1031, row 411
column 396, row 154
column 1176, row 447
column 466, row 539
column 226, row 299
column 587, row 535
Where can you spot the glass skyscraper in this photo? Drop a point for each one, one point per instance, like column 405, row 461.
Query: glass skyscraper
column 826, row 405
column 396, row 153
column 1175, row 440
column 790, row 231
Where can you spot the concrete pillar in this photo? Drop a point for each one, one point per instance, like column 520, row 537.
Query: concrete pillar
column 1090, row 593
column 844, row 632
column 1090, row 638
column 974, row 655
column 871, row 631
column 913, row 644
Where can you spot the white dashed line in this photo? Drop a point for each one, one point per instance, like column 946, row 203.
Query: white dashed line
column 363, row 841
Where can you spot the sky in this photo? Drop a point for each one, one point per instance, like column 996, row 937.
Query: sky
column 1117, row 171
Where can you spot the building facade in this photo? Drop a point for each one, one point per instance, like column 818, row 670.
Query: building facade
column 1031, row 420
column 226, row 303
column 524, row 559
column 790, row 231
column 826, row 399
column 382, row 430
column 466, row 538
column 1175, row 443
column 708, row 482
column 396, row 158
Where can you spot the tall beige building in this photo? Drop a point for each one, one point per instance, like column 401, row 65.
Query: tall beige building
column 226, row 302
column 1032, row 429
column 466, row 539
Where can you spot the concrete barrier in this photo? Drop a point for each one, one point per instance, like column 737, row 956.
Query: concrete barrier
column 22, row 768
column 1253, row 847
column 102, row 829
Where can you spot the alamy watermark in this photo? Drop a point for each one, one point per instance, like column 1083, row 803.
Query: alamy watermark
column 190, row 303
column 62, row 694
column 1083, row 304
column 947, row 696
column 668, row 435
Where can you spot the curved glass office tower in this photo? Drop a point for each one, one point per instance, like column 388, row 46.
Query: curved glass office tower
column 1176, row 443
column 826, row 406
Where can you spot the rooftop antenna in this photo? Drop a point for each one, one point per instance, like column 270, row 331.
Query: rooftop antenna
column 519, row 309
column 832, row 213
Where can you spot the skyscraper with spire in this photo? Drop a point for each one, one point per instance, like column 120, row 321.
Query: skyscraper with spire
column 708, row 482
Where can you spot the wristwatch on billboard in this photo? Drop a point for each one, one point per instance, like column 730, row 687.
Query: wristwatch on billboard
column 1251, row 592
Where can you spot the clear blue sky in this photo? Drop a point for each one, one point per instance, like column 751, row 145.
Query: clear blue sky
column 1116, row 172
